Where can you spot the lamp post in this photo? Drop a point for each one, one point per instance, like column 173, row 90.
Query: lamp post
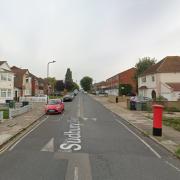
column 48, row 76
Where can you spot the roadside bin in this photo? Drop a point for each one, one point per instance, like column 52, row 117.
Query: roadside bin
column 132, row 105
column 141, row 106
column 10, row 103
column 25, row 103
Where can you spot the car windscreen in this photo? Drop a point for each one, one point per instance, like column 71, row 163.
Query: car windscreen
column 53, row 102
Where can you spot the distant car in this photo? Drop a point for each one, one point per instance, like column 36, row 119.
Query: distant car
column 75, row 92
column 68, row 97
column 54, row 106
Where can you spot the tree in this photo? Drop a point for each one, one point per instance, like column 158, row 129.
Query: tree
column 68, row 80
column 59, row 85
column 52, row 83
column 86, row 83
column 75, row 86
column 125, row 89
column 143, row 64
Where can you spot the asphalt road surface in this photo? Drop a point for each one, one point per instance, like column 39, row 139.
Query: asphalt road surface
column 87, row 142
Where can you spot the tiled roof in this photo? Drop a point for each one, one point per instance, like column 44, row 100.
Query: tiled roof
column 174, row 86
column 18, row 72
column 169, row 64
column 2, row 62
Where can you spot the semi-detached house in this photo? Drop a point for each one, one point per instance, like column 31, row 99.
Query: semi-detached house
column 161, row 79
column 6, row 82
column 22, row 82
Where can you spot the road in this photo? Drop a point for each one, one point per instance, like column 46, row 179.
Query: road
column 87, row 142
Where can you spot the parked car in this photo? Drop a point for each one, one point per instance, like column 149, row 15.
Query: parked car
column 75, row 92
column 54, row 106
column 68, row 97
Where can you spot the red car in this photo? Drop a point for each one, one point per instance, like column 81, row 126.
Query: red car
column 54, row 106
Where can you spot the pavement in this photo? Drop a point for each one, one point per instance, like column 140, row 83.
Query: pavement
column 170, row 138
column 12, row 127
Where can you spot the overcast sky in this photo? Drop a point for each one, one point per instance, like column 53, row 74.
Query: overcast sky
column 98, row 38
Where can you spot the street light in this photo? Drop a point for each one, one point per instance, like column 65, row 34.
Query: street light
column 48, row 76
column 48, row 67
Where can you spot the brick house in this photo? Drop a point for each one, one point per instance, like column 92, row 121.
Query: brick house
column 100, row 86
column 6, row 82
column 22, row 82
column 161, row 79
column 125, row 77
column 35, row 85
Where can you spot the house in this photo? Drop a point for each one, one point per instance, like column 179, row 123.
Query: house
column 35, row 85
column 22, row 82
column 126, row 77
column 6, row 82
column 43, row 86
column 161, row 79
column 100, row 87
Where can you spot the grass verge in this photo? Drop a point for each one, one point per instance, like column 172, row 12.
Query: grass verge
column 172, row 122
column 178, row 152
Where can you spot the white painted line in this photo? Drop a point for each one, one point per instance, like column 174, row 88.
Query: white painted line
column 177, row 169
column 79, row 111
column 49, row 147
column 157, row 154
column 13, row 146
column 76, row 173
column 94, row 119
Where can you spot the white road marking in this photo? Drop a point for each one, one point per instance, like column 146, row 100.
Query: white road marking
column 13, row 146
column 76, row 173
column 173, row 166
column 49, row 147
column 157, row 154
column 94, row 119
column 79, row 110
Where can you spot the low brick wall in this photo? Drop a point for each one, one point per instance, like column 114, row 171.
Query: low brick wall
column 168, row 105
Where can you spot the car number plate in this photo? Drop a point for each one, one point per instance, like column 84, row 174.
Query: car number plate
column 51, row 110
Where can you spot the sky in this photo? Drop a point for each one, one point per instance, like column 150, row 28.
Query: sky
column 96, row 38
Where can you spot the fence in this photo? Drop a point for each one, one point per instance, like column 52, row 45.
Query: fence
column 34, row 99
column 19, row 111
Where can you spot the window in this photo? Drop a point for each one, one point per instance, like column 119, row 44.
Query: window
column 9, row 93
column 143, row 79
column 153, row 78
column 9, row 77
column 4, row 77
column 3, row 92
column 27, row 80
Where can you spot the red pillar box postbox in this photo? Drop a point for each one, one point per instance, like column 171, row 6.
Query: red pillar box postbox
column 157, row 119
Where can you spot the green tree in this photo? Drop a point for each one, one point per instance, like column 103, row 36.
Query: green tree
column 75, row 86
column 68, row 80
column 143, row 64
column 86, row 83
column 125, row 89
column 52, row 83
